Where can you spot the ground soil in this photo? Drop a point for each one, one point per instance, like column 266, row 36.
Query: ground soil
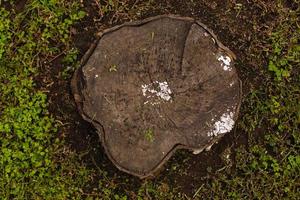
column 240, row 25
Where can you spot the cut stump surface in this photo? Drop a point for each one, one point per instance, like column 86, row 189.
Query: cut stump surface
column 153, row 86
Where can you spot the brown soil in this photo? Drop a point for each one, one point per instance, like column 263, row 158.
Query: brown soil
column 240, row 25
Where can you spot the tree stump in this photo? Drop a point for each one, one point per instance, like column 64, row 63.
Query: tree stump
column 153, row 86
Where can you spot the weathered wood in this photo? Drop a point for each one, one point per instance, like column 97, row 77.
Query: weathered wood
column 153, row 86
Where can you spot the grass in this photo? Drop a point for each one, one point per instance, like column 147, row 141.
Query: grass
column 36, row 163
column 115, row 10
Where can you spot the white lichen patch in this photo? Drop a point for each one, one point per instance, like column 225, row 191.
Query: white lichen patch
column 224, row 125
column 226, row 61
column 157, row 89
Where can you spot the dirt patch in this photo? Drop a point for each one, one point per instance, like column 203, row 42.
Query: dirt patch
column 241, row 25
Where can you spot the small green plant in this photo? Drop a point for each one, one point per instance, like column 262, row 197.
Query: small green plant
column 71, row 57
column 113, row 68
column 70, row 63
column 279, row 72
column 149, row 135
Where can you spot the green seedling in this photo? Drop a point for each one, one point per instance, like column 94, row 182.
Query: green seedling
column 149, row 135
column 113, row 68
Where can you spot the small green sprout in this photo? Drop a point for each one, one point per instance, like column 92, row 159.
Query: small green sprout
column 149, row 135
column 113, row 68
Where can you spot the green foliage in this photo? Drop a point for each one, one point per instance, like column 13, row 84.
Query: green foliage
column 70, row 63
column 32, row 165
column 285, row 51
column 71, row 57
column 5, row 35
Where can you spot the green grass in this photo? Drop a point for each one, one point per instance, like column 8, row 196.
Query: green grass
column 36, row 164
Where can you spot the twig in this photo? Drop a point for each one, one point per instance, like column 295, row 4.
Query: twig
column 196, row 193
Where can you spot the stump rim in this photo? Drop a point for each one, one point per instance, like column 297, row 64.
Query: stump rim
column 75, row 88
